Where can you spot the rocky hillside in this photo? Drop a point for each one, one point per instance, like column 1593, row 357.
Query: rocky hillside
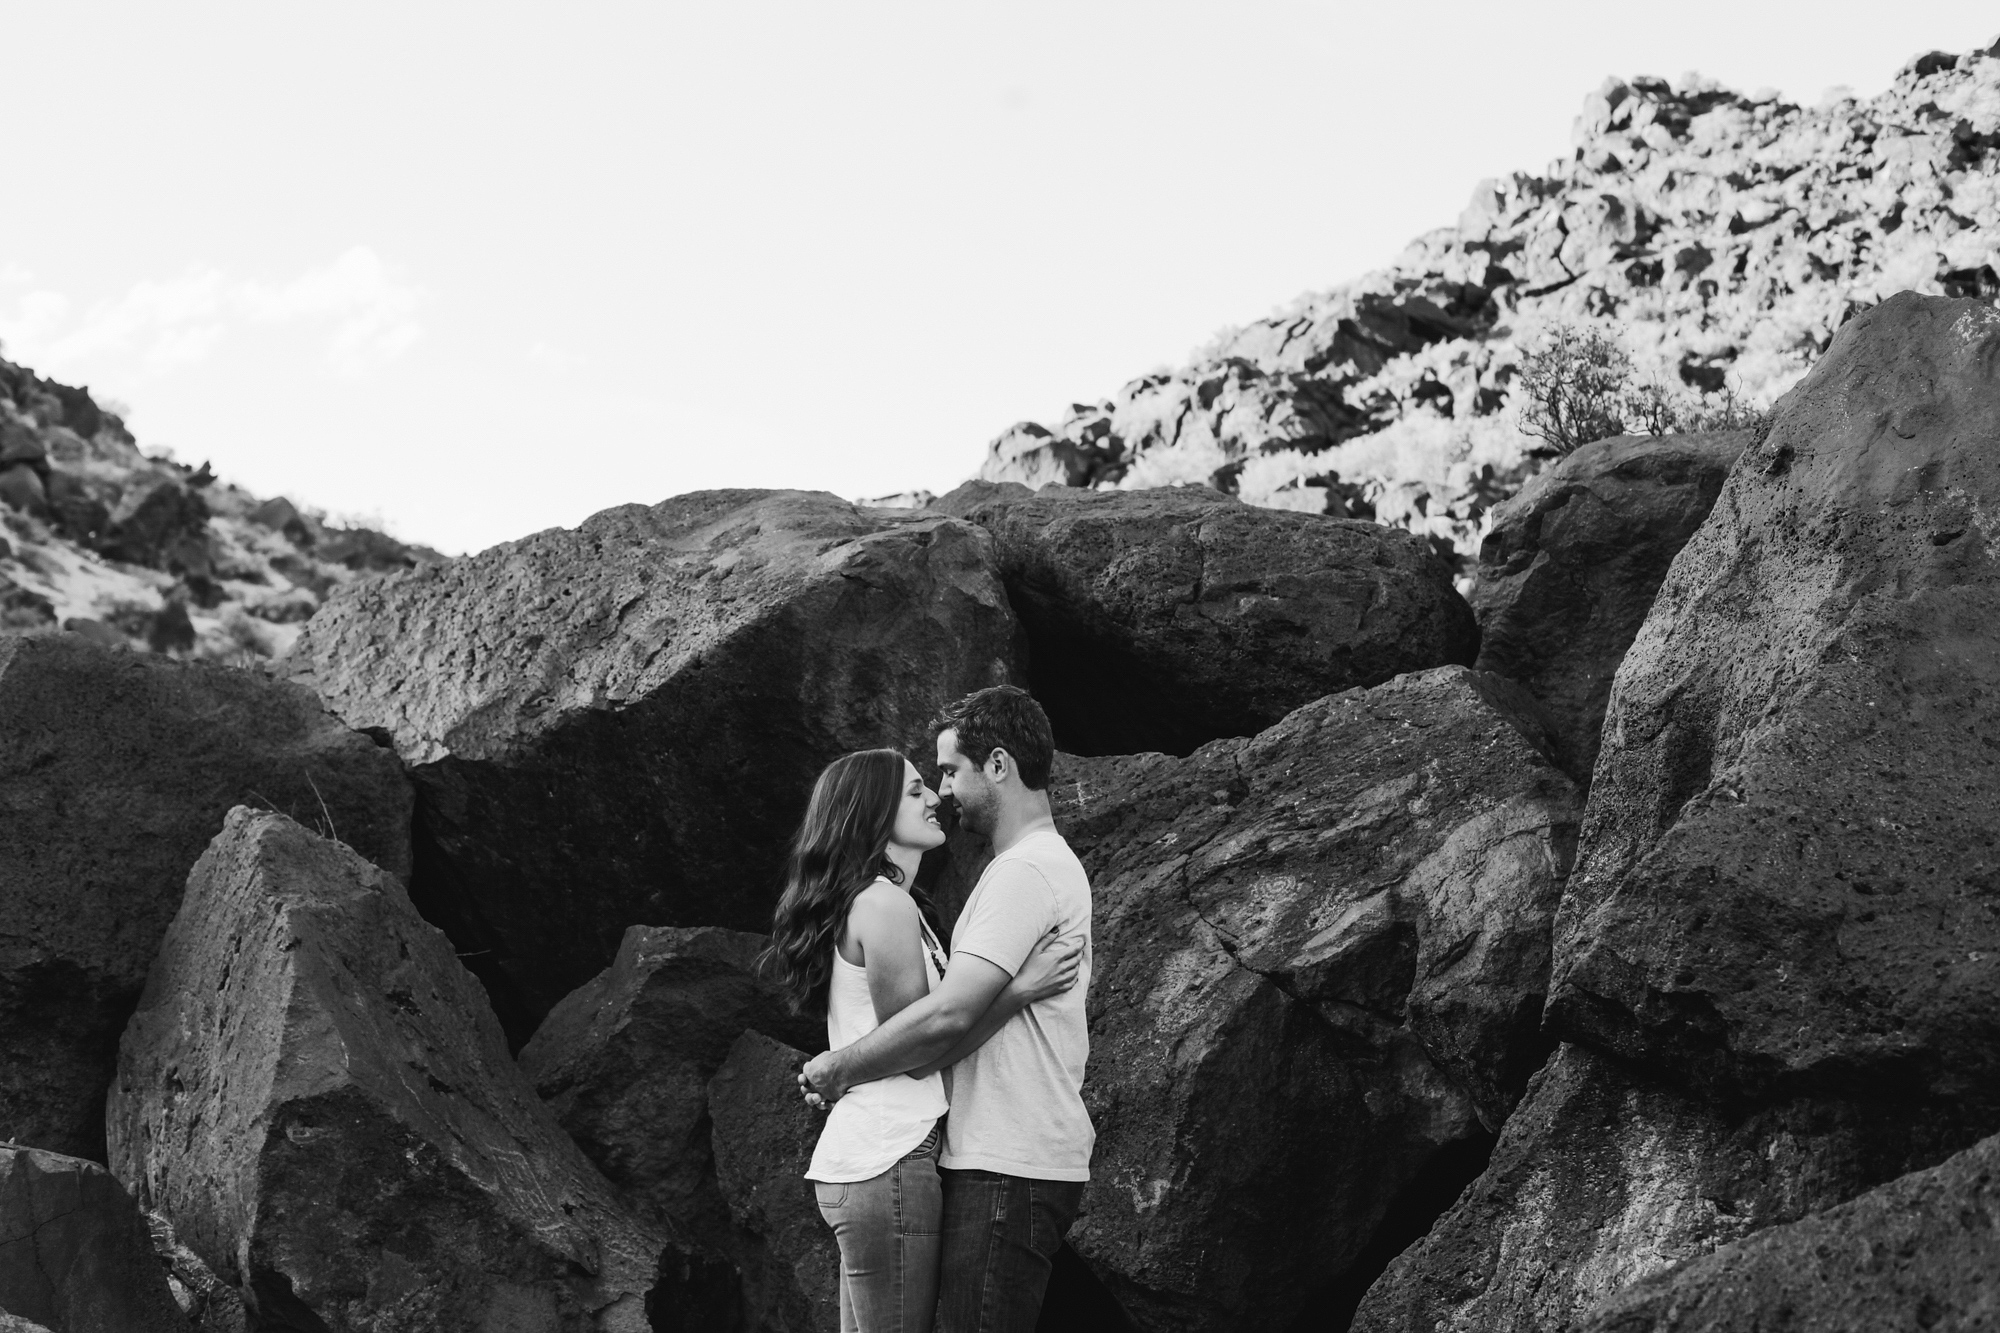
column 127, row 548
column 1723, row 238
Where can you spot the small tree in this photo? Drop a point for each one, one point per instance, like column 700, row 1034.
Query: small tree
column 1573, row 388
column 1579, row 386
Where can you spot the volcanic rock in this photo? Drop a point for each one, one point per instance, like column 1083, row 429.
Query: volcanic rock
column 1788, row 876
column 1923, row 1252
column 23, row 610
column 21, row 486
column 115, row 771
column 1348, row 914
column 1605, row 1175
column 1570, row 567
column 624, row 1061
column 314, row 1093
column 211, row 1305
column 20, row 444
column 764, row 1137
column 74, row 1253
column 156, row 517
column 619, row 724
column 1160, row 620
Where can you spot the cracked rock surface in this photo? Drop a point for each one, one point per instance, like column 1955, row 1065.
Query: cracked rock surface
column 624, row 1061
column 315, row 1095
column 75, row 1256
column 1922, row 1252
column 1320, row 957
column 617, row 724
column 1569, row 570
column 1164, row 619
column 1788, row 877
column 1606, row 1175
column 1721, row 237
column 115, row 770
column 764, row 1136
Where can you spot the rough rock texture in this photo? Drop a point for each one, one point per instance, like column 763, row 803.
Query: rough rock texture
column 115, row 771
column 1722, row 237
column 93, row 529
column 314, row 1093
column 74, row 1253
column 764, row 1137
column 1788, row 877
column 619, row 724
column 1160, row 620
column 211, row 1305
column 1319, row 960
column 1923, row 1252
column 624, row 1061
column 1569, row 570
column 1604, row 1176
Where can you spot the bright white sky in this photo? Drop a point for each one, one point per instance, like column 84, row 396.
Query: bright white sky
column 474, row 270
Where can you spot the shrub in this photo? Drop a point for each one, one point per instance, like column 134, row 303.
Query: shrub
column 1579, row 386
column 1573, row 385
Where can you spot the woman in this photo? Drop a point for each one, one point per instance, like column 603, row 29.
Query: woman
column 850, row 941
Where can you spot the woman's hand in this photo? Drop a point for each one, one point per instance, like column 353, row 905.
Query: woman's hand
column 1051, row 968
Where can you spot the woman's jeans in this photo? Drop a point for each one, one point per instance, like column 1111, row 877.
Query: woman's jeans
column 889, row 1233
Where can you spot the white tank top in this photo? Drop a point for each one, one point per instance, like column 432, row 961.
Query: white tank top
column 875, row 1124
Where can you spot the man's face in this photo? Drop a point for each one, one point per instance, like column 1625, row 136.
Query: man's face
column 960, row 780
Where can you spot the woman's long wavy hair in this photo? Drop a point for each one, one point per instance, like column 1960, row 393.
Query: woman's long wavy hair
column 841, row 846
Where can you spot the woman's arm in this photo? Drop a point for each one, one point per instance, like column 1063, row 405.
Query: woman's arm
column 886, row 925
column 1050, row 970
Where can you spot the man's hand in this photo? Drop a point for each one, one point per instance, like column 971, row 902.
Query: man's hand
column 817, row 1082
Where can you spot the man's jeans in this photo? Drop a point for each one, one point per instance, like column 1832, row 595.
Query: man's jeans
column 888, row 1233
column 1000, row 1235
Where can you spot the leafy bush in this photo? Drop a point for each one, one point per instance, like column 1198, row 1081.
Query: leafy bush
column 1572, row 386
column 1578, row 386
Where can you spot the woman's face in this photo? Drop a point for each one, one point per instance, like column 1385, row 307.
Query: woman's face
column 917, row 824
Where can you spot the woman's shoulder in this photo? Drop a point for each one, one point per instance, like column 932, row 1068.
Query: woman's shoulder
column 883, row 904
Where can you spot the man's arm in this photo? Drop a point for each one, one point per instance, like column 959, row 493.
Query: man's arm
column 1050, row 970
column 917, row 1036
column 1004, row 1007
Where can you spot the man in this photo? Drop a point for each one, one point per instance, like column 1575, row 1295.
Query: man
column 1017, row 1142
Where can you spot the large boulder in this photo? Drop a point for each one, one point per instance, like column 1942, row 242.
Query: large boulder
column 1569, row 569
column 1922, row 1252
column 1320, row 955
column 1163, row 619
column 1604, row 1176
column 764, row 1137
column 160, row 521
column 315, row 1095
column 115, row 771
column 1788, row 876
column 619, row 724
column 624, row 1060
column 75, row 1256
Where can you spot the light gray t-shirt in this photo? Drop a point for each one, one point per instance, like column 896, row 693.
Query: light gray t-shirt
column 1017, row 1101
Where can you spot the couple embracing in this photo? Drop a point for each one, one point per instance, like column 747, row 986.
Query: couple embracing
column 946, row 1220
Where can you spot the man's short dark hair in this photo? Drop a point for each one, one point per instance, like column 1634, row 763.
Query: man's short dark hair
column 1002, row 717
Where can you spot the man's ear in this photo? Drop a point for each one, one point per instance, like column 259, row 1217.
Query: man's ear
column 999, row 764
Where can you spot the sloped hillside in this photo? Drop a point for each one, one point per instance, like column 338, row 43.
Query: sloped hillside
column 98, row 537
column 1722, row 238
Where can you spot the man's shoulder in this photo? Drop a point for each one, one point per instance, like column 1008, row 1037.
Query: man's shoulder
column 1048, row 855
